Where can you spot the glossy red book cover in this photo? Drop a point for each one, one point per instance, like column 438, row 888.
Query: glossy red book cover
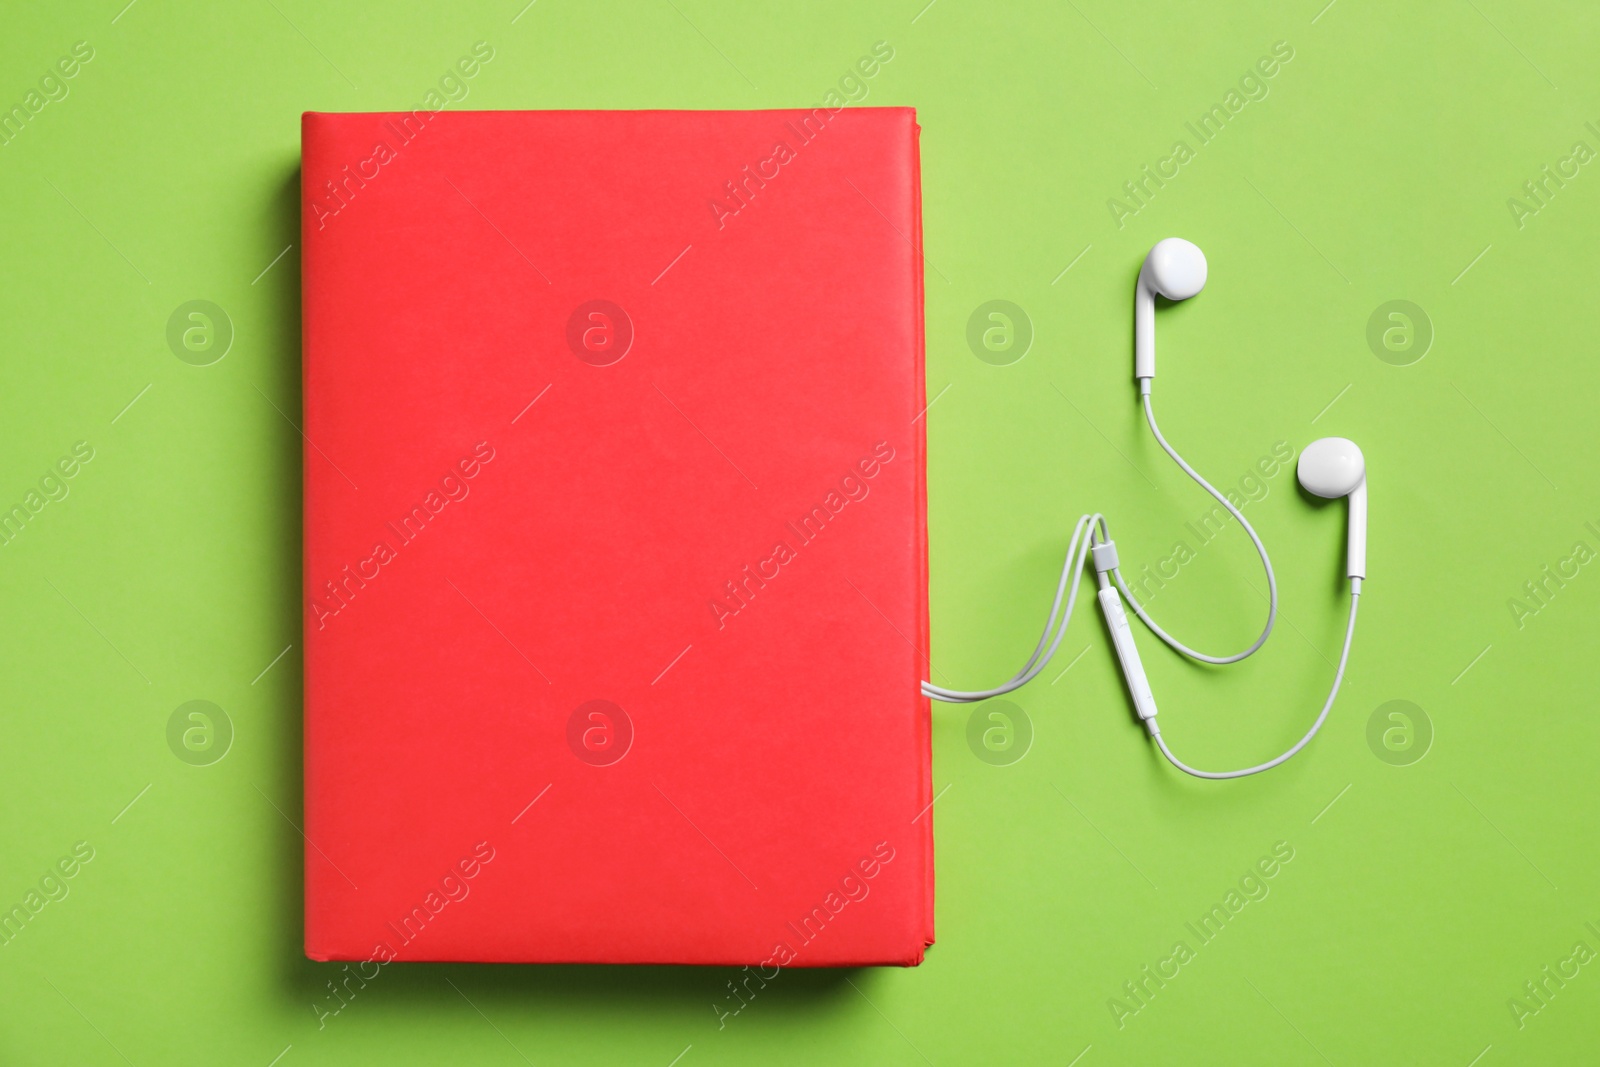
column 615, row 543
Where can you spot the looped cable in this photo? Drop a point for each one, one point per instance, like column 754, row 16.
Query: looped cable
column 1092, row 530
column 1261, row 550
column 1338, row 677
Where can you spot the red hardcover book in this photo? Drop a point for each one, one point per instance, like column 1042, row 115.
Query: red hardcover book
column 615, row 564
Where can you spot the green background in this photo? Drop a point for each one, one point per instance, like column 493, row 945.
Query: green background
column 1421, row 897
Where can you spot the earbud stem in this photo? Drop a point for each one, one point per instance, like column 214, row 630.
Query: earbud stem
column 1144, row 330
column 1357, row 558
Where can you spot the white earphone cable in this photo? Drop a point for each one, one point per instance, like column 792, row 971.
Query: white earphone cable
column 1071, row 569
column 1338, row 677
column 1078, row 552
column 1261, row 550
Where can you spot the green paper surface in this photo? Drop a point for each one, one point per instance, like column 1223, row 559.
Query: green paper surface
column 1433, row 879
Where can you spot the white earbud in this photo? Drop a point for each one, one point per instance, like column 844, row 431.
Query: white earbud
column 1175, row 269
column 1333, row 467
